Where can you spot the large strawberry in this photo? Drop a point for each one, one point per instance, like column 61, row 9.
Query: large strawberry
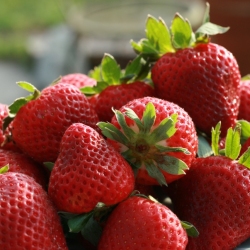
column 21, row 163
column 142, row 223
column 116, row 87
column 214, row 196
column 157, row 137
column 88, row 171
column 41, row 119
column 28, row 218
column 244, row 110
column 190, row 70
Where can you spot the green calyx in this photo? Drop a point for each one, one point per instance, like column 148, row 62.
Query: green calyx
column 234, row 139
column 161, row 40
column 109, row 73
column 145, row 143
column 18, row 103
column 4, row 169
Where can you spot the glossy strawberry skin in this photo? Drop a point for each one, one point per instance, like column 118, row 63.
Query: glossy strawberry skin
column 21, row 163
column 185, row 136
column 139, row 223
column 78, row 79
column 244, row 110
column 115, row 96
column 214, row 196
column 28, row 219
column 204, row 80
column 40, row 124
column 88, row 171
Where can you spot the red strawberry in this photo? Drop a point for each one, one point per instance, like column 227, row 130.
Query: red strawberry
column 78, row 79
column 215, row 197
column 28, row 218
column 5, row 140
column 200, row 76
column 116, row 88
column 21, row 163
column 244, row 110
column 140, row 223
column 157, row 138
column 42, row 119
column 88, row 171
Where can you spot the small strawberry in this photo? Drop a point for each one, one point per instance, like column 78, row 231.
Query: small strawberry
column 88, row 171
column 21, row 163
column 115, row 87
column 28, row 218
column 157, row 137
column 244, row 110
column 79, row 80
column 40, row 120
column 215, row 195
column 5, row 141
column 188, row 69
column 141, row 223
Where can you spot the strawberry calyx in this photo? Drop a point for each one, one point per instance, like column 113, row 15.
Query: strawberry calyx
column 19, row 102
column 232, row 143
column 88, row 224
column 145, row 143
column 110, row 73
column 161, row 40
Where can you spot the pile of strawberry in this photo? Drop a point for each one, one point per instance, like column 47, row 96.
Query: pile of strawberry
column 154, row 156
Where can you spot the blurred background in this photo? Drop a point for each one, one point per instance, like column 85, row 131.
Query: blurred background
column 41, row 40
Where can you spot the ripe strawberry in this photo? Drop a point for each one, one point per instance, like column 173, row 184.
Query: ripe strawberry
column 88, row 171
column 157, row 137
column 140, row 223
column 21, row 163
column 215, row 196
column 78, row 79
column 244, row 110
column 28, row 218
column 115, row 87
column 42, row 118
column 5, row 140
column 200, row 76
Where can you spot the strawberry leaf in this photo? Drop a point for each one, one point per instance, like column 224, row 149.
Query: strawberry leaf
column 154, row 172
column 245, row 158
column 158, row 35
column 191, row 229
column 171, row 149
column 204, row 148
column 216, row 138
column 232, row 144
column 211, row 29
column 49, row 165
column 148, row 118
column 95, row 73
column 4, row 169
column 181, row 31
column 134, row 67
column 111, row 71
column 76, row 223
column 245, row 130
column 112, row 132
column 96, row 89
column 172, row 165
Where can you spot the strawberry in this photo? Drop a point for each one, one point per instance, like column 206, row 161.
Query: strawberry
column 5, row 140
column 214, row 195
column 21, row 163
column 40, row 120
column 28, row 218
column 79, row 80
column 188, row 69
column 116, row 87
column 88, row 171
column 244, row 110
column 157, row 137
column 141, row 223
